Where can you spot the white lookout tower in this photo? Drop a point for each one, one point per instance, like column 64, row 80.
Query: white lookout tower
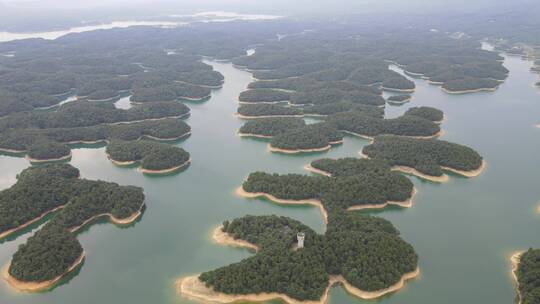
column 300, row 236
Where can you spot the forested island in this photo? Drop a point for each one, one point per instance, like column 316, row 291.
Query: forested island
column 428, row 113
column 155, row 158
column 525, row 267
column 426, row 158
column 399, row 99
column 309, row 138
column 248, row 111
column 343, row 184
column 363, row 253
column 54, row 251
column 360, row 124
column 263, row 96
column 270, row 126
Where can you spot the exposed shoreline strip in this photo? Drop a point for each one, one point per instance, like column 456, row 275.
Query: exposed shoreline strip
column 514, row 262
column 30, row 222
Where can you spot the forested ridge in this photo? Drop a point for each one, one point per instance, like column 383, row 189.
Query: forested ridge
column 528, row 279
column 271, row 126
column 367, row 251
column 52, row 250
column 424, row 155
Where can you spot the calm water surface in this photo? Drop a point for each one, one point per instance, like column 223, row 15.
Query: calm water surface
column 463, row 230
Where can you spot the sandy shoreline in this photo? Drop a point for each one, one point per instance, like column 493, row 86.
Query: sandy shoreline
column 169, row 138
column 273, row 149
column 308, row 167
column 514, row 262
column 266, row 116
column 121, row 222
column 317, row 203
column 13, row 230
column 372, row 138
column 165, row 171
column 438, row 179
column 253, row 135
column 224, row 238
column 33, row 160
column 193, row 288
column 314, row 202
column 398, row 90
column 38, row 286
column 24, row 151
column 470, row 91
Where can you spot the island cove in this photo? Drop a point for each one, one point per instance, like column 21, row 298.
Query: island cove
column 54, row 251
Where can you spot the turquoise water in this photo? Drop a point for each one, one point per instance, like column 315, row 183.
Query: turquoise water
column 463, row 230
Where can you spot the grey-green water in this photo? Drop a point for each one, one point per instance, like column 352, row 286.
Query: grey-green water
column 463, row 230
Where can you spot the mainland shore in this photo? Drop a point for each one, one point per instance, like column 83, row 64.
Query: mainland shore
column 38, row 286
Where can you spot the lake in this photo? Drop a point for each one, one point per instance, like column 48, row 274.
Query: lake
column 463, row 231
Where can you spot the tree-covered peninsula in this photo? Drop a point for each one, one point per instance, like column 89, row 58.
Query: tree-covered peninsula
column 360, row 124
column 154, row 157
column 271, row 126
column 343, row 184
column 309, row 138
column 428, row 113
column 363, row 253
column 263, row 96
column 526, row 269
column 428, row 157
column 266, row 110
column 54, row 250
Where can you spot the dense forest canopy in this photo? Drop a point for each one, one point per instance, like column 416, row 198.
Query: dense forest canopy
column 313, row 136
column 152, row 155
column 527, row 277
column 271, row 126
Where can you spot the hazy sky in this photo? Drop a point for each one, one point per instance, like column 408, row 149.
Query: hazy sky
column 294, row 5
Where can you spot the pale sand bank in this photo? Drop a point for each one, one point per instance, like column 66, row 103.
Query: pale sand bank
column 514, row 262
column 308, row 167
column 265, row 116
column 224, row 238
column 273, row 149
column 38, row 286
column 253, row 135
column 13, row 230
column 165, row 171
column 167, row 138
column 317, row 203
column 193, row 288
column 371, row 138
column 470, row 91
column 439, row 179
column 17, row 151
column 37, row 161
column 121, row 163
column 314, row 202
column 398, row 90
column 120, row 222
